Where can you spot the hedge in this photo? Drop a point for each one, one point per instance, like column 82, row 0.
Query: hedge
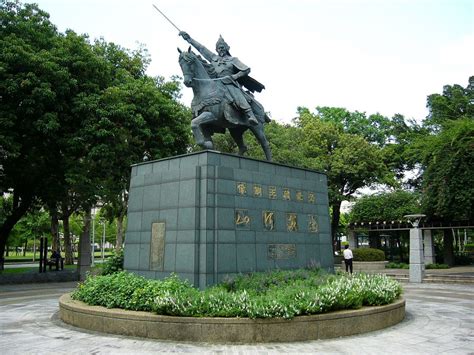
column 368, row 254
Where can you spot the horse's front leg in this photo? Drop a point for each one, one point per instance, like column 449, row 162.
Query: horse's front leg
column 202, row 139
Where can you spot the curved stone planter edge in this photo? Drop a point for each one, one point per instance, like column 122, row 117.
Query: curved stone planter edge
column 229, row 330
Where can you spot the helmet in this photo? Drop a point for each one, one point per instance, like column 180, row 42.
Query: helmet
column 220, row 42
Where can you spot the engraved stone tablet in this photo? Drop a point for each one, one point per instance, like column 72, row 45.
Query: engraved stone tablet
column 281, row 251
column 157, row 247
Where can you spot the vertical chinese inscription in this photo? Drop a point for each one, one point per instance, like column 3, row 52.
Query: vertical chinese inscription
column 268, row 220
column 312, row 223
column 311, row 197
column 292, row 222
column 272, row 192
column 286, row 194
column 242, row 218
column 242, row 188
column 299, row 196
column 257, row 190
column 157, row 246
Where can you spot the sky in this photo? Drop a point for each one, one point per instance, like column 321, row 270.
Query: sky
column 373, row 56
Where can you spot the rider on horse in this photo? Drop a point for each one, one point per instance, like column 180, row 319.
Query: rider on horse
column 233, row 73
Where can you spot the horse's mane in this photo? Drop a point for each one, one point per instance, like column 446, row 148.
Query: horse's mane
column 187, row 56
column 209, row 68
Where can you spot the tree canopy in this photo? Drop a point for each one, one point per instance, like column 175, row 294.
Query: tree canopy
column 448, row 178
column 75, row 115
column 385, row 206
column 447, row 154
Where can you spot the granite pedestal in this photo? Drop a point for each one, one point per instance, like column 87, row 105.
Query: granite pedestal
column 208, row 215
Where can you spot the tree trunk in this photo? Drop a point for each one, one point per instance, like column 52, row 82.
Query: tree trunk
column 25, row 246
column 119, row 240
column 68, row 252
column 120, row 217
column 336, row 213
column 84, row 249
column 19, row 210
column 448, row 256
column 56, row 244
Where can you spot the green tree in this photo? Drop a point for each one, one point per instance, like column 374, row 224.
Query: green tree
column 284, row 141
column 75, row 116
column 29, row 227
column 385, row 206
column 349, row 161
column 31, row 85
column 448, row 179
column 374, row 128
column 453, row 104
column 447, row 157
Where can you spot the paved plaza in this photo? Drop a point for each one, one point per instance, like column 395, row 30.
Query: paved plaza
column 440, row 320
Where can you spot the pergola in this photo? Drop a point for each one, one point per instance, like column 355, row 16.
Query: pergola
column 404, row 225
column 421, row 239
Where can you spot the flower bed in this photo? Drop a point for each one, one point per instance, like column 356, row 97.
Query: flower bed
column 262, row 307
column 229, row 330
column 277, row 294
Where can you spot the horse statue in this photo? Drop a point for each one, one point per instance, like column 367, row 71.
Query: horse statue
column 212, row 107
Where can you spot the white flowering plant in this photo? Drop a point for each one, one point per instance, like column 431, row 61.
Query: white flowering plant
column 275, row 294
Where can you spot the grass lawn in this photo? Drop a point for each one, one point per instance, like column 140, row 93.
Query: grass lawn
column 19, row 270
column 12, row 258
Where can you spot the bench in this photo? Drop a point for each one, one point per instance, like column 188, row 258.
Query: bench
column 58, row 262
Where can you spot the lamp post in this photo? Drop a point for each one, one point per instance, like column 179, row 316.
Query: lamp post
column 34, row 247
column 417, row 264
column 93, row 242
column 103, row 241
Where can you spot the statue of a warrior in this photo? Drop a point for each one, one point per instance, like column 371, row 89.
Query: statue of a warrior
column 233, row 72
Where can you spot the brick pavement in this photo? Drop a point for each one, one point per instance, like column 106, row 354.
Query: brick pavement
column 440, row 320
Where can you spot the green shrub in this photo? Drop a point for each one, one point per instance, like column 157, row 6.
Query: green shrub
column 437, row 266
column 283, row 294
column 126, row 290
column 113, row 264
column 368, row 254
column 469, row 247
column 393, row 265
column 261, row 282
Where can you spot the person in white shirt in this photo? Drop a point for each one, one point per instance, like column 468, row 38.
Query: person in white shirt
column 348, row 258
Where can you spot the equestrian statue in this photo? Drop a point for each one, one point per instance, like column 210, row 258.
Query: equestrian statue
column 220, row 101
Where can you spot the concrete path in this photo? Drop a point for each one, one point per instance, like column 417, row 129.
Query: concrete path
column 440, row 320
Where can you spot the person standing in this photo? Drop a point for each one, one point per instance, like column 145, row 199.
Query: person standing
column 348, row 258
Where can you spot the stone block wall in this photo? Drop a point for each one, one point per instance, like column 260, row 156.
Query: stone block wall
column 209, row 214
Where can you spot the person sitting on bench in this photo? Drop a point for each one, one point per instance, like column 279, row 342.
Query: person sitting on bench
column 56, row 259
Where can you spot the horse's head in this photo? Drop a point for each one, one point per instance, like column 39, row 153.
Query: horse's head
column 187, row 62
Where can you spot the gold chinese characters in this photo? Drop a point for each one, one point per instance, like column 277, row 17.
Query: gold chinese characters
column 271, row 192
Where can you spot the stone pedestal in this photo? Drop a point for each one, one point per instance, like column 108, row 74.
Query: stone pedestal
column 417, row 266
column 208, row 215
column 428, row 247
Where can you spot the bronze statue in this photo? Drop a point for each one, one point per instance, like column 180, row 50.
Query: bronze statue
column 232, row 71
column 220, row 101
